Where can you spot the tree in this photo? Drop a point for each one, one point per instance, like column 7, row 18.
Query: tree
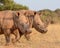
column 11, row 5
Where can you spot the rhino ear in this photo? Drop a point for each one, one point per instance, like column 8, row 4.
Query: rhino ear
column 34, row 13
column 18, row 13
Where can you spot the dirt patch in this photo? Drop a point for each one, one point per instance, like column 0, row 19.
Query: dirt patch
column 37, row 40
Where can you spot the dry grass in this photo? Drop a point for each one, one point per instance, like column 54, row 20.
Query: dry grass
column 49, row 40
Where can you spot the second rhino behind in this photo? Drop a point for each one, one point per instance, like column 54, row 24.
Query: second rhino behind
column 34, row 20
column 10, row 21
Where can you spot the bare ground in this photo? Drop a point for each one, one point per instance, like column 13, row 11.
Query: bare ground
column 37, row 40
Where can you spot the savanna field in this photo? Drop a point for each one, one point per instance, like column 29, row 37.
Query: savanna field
column 49, row 12
column 37, row 40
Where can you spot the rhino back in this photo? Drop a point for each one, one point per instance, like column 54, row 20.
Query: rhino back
column 6, row 19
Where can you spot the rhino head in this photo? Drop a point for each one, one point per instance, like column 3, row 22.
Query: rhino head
column 21, row 22
column 36, row 22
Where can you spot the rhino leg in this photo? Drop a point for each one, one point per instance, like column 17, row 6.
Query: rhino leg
column 27, row 36
column 7, row 36
column 16, row 33
column 17, row 36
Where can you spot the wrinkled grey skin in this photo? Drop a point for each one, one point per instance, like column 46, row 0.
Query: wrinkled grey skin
column 34, row 22
column 23, row 26
column 21, row 23
column 10, row 21
column 37, row 23
column 6, row 23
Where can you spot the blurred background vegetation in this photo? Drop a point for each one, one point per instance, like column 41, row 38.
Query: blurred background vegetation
column 46, row 14
column 11, row 5
column 50, row 16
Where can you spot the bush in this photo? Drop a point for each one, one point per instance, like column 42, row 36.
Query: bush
column 11, row 5
column 50, row 16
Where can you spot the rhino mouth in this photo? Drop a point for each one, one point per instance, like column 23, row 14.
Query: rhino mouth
column 41, row 29
column 24, row 28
